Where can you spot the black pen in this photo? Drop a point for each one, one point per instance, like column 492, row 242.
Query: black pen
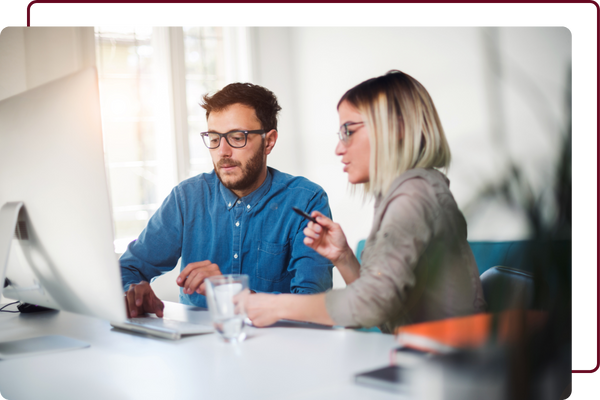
column 305, row 215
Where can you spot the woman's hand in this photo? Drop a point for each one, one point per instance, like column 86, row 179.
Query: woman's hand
column 326, row 238
column 263, row 309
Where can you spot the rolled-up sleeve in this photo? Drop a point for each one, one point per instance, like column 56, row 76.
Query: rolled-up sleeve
column 158, row 248
column 390, row 257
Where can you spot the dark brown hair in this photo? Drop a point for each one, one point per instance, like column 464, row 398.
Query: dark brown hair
column 262, row 100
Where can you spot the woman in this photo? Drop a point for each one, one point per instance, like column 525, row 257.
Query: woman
column 416, row 265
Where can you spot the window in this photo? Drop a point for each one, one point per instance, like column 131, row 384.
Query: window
column 204, row 73
column 151, row 83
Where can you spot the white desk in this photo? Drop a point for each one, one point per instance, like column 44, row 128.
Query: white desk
column 273, row 363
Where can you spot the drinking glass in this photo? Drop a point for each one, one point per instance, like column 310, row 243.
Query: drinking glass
column 228, row 317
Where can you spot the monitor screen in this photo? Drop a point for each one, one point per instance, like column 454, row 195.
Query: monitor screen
column 60, row 253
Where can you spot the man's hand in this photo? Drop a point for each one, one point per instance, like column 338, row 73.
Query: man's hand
column 140, row 299
column 191, row 279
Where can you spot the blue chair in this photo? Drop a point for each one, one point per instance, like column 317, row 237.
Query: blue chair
column 521, row 254
column 359, row 249
column 512, row 266
column 507, row 288
column 548, row 263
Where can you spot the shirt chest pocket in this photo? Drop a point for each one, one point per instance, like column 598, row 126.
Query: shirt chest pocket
column 272, row 262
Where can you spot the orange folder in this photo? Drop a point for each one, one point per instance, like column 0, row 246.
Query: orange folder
column 470, row 331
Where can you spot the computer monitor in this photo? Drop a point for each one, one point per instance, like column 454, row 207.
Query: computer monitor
column 57, row 249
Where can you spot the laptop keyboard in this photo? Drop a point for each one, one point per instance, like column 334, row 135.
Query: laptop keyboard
column 165, row 324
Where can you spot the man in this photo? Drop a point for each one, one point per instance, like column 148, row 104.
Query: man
column 236, row 219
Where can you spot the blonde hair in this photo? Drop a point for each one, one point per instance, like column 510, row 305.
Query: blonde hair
column 405, row 131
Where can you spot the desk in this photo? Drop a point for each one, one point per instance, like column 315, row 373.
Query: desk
column 273, row 363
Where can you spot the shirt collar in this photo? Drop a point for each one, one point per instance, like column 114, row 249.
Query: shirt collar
column 250, row 200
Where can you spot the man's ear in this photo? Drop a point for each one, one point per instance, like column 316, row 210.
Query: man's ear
column 270, row 140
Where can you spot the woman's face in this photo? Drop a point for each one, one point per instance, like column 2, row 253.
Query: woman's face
column 356, row 152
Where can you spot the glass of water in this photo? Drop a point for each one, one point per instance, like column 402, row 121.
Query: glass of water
column 228, row 317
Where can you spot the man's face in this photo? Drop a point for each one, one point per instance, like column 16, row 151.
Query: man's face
column 239, row 169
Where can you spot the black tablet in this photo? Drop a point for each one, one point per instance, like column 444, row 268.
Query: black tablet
column 388, row 378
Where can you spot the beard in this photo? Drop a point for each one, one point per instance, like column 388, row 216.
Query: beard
column 250, row 172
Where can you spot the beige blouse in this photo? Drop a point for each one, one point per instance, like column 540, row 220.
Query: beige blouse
column 416, row 265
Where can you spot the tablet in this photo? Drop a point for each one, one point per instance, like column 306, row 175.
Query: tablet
column 390, row 378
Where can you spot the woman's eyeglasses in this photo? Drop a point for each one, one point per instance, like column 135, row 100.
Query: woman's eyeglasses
column 344, row 133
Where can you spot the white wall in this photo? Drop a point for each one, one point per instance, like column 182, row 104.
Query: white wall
column 33, row 56
column 310, row 68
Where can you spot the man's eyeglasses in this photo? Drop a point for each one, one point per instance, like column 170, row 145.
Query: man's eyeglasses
column 344, row 133
column 235, row 139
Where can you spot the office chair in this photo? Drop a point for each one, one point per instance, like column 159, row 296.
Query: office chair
column 507, row 288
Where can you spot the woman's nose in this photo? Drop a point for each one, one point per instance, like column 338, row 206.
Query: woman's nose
column 340, row 149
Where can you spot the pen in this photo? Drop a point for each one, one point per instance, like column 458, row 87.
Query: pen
column 305, row 215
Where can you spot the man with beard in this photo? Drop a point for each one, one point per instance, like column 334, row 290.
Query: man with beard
column 238, row 219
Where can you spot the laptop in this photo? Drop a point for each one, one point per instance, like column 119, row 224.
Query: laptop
column 179, row 320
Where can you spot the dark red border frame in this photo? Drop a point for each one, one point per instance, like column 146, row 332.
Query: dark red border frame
column 576, row 371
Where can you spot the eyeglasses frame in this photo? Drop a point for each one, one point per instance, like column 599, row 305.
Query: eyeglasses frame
column 345, row 136
column 224, row 135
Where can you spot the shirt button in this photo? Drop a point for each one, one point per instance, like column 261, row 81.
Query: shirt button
column 237, row 223
column 235, row 255
column 229, row 205
column 248, row 206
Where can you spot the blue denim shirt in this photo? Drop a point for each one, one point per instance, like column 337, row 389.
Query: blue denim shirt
column 258, row 235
